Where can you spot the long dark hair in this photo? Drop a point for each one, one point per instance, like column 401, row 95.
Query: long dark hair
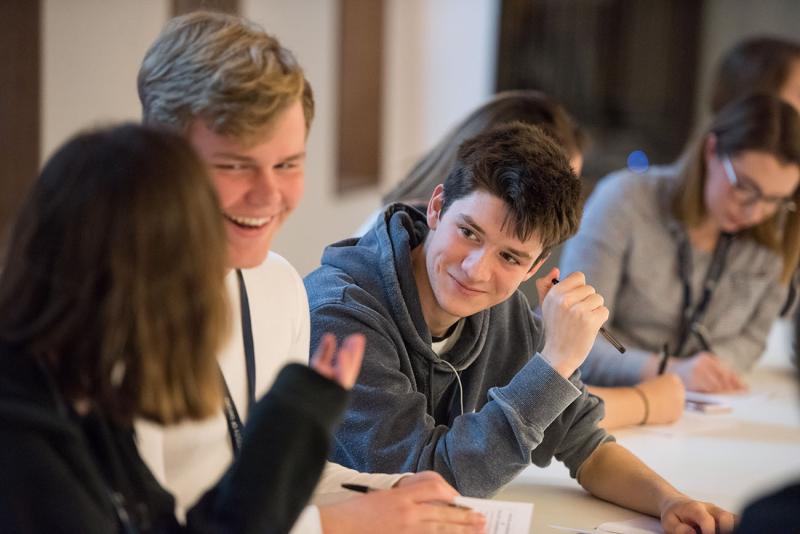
column 115, row 274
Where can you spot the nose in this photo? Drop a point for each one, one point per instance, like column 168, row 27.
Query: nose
column 476, row 266
column 264, row 188
column 757, row 212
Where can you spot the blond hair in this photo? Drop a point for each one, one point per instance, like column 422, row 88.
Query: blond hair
column 224, row 70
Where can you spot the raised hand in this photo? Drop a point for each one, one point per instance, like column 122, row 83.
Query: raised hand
column 342, row 365
column 573, row 314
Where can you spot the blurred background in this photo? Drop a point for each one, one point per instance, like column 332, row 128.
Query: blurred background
column 390, row 77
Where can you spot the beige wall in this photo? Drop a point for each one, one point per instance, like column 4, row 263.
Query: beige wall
column 91, row 52
column 427, row 90
column 727, row 21
column 439, row 64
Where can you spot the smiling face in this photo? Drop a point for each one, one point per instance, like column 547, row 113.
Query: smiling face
column 469, row 261
column 757, row 174
column 258, row 185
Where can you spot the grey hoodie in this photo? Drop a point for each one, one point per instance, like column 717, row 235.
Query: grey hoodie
column 405, row 412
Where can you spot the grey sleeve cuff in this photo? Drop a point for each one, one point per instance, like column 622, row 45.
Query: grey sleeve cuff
column 537, row 394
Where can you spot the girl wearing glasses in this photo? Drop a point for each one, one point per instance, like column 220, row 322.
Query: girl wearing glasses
column 696, row 256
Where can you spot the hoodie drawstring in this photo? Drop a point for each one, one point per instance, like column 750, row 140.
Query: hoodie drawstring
column 458, row 379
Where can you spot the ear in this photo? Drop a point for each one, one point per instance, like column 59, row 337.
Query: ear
column 710, row 148
column 536, row 267
column 435, row 207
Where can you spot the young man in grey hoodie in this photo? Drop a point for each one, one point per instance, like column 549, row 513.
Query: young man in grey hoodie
column 457, row 375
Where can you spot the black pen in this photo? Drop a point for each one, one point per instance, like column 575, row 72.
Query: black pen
column 611, row 339
column 662, row 365
column 360, row 488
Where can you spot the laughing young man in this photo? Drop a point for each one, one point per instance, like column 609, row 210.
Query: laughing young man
column 243, row 102
column 457, row 375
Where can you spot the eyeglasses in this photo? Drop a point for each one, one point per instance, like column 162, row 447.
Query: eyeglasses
column 749, row 194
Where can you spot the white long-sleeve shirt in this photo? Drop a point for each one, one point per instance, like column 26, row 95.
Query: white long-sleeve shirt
column 189, row 458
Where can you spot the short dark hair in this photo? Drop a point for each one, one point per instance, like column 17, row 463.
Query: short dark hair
column 522, row 165
column 756, row 65
column 115, row 272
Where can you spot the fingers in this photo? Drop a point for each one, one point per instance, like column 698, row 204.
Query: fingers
column 690, row 517
column 348, row 360
column 341, row 366
column 544, row 283
column 422, row 476
column 429, row 491
column 451, row 519
column 322, row 360
column 708, row 380
column 732, row 381
column 726, row 521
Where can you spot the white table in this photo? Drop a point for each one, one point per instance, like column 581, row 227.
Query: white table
column 724, row 458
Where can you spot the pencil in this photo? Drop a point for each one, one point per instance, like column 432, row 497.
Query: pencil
column 662, row 365
column 360, row 488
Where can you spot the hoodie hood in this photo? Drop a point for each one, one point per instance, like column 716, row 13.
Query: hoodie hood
column 380, row 263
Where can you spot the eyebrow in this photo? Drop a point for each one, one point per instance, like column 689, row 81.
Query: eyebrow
column 471, row 222
column 239, row 157
column 744, row 177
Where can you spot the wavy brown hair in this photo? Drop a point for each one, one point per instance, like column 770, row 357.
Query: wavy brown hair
column 115, row 276
column 760, row 122
column 530, row 107
column 756, row 65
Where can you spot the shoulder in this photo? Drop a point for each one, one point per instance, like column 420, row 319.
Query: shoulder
column 274, row 273
column 275, row 293
column 625, row 195
column 328, row 285
column 628, row 184
column 275, row 280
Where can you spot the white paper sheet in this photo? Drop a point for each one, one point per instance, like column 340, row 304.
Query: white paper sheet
column 638, row 525
column 502, row 517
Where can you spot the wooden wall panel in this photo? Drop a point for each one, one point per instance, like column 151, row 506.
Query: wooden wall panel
column 20, row 82
column 360, row 93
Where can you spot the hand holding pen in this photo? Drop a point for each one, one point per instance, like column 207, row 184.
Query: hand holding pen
column 572, row 312
column 407, row 509
column 611, row 339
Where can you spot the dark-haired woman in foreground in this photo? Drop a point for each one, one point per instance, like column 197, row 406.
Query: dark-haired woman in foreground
column 112, row 306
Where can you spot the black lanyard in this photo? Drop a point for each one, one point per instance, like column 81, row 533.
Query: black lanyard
column 691, row 320
column 229, row 406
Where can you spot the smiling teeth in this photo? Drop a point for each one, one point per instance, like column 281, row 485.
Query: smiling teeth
column 249, row 221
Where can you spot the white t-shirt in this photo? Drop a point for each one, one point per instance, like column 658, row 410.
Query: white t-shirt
column 189, row 458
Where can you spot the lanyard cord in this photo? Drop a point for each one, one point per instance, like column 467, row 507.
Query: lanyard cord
column 691, row 320
column 232, row 417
